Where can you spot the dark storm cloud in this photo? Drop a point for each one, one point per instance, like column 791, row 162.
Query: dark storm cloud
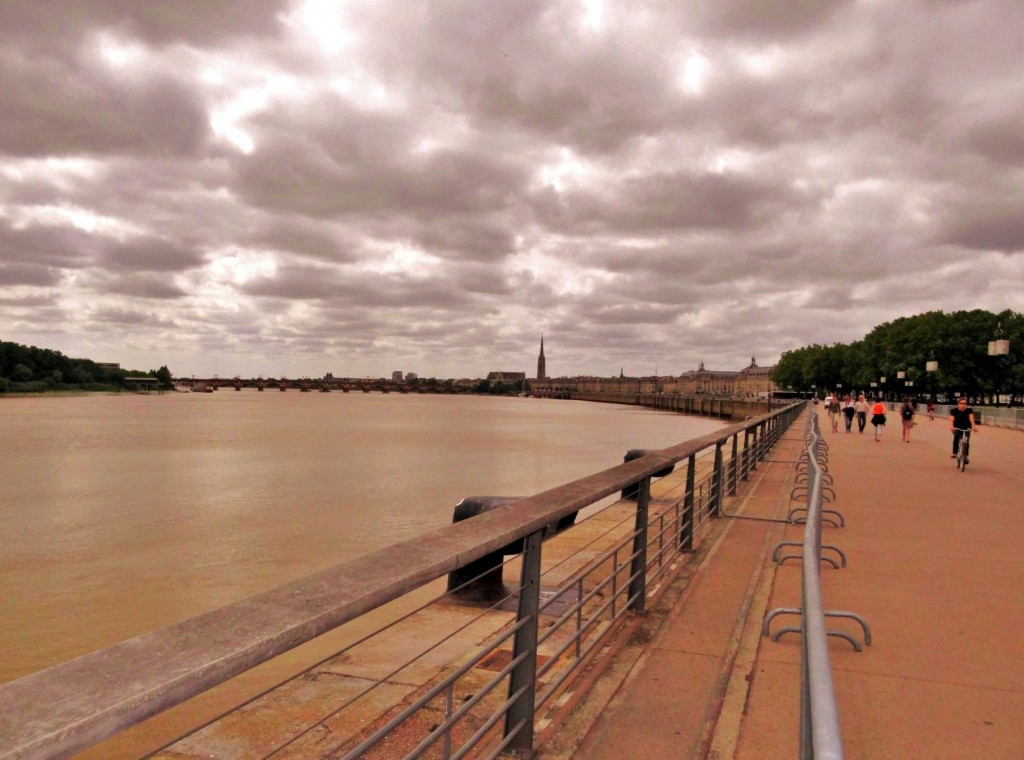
column 158, row 23
column 365, row 165
column 306, row 239
column 662, row 202
column 364, row 289
column 1000, row 141
column 474, row 237
column 106, row 316
column 29, row 274
column 991, row 229
column 148, row 255
column 87, row 111
column 765, row 18
column 60, row 247
column 139, row 286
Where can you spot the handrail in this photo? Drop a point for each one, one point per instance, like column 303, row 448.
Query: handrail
column 66, row 708
column 818, row 690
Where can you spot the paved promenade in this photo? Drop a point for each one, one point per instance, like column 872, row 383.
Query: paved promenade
column 935, row 567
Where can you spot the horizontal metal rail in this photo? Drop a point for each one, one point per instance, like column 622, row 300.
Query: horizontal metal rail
column 66, row 708
column 823, row 732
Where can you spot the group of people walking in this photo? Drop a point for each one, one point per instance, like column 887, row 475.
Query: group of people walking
column 850, row 410
column 961, row 417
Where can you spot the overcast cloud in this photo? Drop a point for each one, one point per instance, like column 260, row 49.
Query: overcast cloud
column 290, row 188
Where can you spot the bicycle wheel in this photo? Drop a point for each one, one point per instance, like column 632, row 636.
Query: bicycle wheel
column 961, row 456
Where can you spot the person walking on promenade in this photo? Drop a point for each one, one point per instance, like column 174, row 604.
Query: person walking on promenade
column 848, row 412
column 961, row 423
column 907, row 417
column 931, row 410
column 832, row 405
column 861, row 409
column 878, row 419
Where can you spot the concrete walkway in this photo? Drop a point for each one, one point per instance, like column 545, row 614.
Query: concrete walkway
column 935, row 567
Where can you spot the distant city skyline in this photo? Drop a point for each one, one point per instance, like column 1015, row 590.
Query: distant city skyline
column 278, row 186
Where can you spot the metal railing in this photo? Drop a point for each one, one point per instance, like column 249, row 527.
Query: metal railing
column 62, row 710
column 820, row 736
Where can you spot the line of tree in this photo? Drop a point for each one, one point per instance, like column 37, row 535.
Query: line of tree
column 27, row 369
column 958, row 342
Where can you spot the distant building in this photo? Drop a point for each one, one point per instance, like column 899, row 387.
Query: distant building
column 396, row 376
column 702, row 381
column 411, row 376
column 750, row 382
column 542, row 369
column 505, row 377
column 754, row 381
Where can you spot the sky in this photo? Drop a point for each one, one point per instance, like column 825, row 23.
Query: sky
column 254, row 187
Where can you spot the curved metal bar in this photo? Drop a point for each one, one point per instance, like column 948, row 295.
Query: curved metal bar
column 778, row 548
column 837, row 550
column 774, row 614
column 788, row 629
column 848, row 637
column 853, row 616
column 842, row 522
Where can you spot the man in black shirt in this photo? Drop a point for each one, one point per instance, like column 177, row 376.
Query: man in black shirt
column 961, row 422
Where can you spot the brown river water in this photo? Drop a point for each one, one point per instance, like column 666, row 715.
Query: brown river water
column 124, row 513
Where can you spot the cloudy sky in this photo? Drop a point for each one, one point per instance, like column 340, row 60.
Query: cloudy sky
column 360, row 186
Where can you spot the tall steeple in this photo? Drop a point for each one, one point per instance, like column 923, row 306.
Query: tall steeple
column 542, row 372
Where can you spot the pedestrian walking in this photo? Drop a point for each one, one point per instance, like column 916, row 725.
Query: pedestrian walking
column 848, row 412
column 832, row 405
column 861, row 410
column 878, row 419
column 907, row 418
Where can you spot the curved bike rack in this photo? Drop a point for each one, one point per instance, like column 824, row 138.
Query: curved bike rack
column 819, row 716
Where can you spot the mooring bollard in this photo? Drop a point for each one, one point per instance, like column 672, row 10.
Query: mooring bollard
column 630, row 492
column 488, row 584
column 486, row 571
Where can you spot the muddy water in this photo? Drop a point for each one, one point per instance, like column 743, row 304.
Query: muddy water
column 124, row 513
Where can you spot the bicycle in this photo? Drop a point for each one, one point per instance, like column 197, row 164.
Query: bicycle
column 963, row 447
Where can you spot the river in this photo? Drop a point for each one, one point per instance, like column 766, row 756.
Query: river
column 123, row 513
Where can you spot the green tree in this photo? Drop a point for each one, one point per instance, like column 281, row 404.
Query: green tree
column 164, row 376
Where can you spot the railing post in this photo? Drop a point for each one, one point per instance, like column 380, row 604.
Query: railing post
column 716, row 482
column 686, row 522
column 638, row 567
column 734, row 465
column 522, row 685
column 746, row 453
column 754, row 447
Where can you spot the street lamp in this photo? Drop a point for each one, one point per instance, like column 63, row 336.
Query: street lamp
column 931, row 367
column 998, row 347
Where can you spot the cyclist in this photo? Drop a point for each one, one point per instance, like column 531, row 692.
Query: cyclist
column 961, row 422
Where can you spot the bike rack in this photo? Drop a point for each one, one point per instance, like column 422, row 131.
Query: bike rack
column 865, row 628
column 798, row 516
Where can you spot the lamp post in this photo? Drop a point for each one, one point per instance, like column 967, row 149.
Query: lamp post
column 998, row 347
column 931, row 367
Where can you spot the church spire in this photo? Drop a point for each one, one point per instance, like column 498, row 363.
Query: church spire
column 542, row 373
